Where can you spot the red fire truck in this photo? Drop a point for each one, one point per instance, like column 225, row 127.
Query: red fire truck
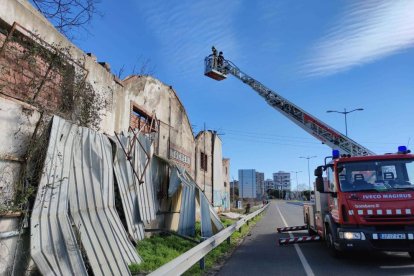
column 367, row 200
column 364, row 202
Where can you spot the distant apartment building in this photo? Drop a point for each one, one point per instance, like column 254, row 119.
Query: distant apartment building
column 259, row 185
column 247, row 183
column 281, row 180
column 269, row 184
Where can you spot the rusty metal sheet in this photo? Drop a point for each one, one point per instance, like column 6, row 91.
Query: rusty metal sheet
column 127, row 188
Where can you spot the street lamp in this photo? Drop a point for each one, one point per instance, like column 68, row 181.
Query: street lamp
column 308, row 157
column 345, row 113
column 296, row 177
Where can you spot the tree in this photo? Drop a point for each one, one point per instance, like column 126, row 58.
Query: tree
column 142, row 67
column 67, row 15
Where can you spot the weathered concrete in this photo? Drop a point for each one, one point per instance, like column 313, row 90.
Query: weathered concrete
column 226, row 180
column 19, row 115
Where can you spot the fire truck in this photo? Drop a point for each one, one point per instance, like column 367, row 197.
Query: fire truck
column 364, row 203
column 362, row 200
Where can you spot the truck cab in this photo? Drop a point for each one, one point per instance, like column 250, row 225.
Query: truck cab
column 365, row 202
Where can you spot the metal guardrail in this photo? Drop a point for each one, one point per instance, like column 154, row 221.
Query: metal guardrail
column 182, row 263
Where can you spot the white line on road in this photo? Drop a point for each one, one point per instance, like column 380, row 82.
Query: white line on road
column 302, row 258
column 398, row 266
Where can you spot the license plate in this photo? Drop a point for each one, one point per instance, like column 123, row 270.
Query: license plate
column 391, row 236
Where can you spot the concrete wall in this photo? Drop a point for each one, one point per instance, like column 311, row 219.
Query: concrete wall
column 20, row 79
column 226, row 179
column 219, row 196
column 19, row 116
column 204, row 178
column 24, row 14
column 175, row 139
column 212, row 180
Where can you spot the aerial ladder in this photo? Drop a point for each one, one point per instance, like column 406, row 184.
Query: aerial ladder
column 216, row 67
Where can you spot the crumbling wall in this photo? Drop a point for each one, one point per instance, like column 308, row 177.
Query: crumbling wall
column 175, row 139
column 41, row 74
column 226, row 179
column 204, row 173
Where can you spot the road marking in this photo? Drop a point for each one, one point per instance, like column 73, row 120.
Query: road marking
column 302, row 258
column 398, row 266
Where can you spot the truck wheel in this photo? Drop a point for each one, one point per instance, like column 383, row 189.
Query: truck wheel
column 329, row 240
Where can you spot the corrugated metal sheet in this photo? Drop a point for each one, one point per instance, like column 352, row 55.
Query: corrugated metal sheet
column 78, row 173
column 159, row 172
column 127, row 188
column 92, row 208
column 186, row 225
column 145, row 191
column 215, row 219
column 206, row 229
column 53, row 244
column 187, row 211
column 175, row 181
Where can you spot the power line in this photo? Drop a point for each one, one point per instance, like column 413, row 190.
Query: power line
column 273, row 143
column 263, row 134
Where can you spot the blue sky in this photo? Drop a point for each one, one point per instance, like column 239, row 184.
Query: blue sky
column 321, row 55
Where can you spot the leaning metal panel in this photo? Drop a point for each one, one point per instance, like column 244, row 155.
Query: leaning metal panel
column 145, row 190
column 186, row 225
column 127, row 189
column 206, row 229
column 91, row 190
column 54, row 248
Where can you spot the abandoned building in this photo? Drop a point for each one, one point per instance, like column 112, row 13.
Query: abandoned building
column 59, row 106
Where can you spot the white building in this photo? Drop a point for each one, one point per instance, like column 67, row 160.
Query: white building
column 281, row 180
column 268, row 184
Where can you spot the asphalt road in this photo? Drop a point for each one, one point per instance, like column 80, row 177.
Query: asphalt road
column 260, row 254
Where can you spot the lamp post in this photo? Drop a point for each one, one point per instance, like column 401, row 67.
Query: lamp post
column 308, row 157
column 345, row 113
column 296, row 172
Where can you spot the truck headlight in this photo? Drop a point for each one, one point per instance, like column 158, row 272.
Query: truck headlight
column 352, row 235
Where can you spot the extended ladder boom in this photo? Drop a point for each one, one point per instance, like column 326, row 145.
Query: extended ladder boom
column 218, row 70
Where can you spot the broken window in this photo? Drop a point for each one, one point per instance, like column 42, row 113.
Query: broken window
column 203, row 161
column 141, row 120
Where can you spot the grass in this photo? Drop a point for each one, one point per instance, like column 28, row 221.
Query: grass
column 160, row 249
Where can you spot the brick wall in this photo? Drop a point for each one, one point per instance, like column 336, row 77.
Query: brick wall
column 141, row 121
column 26, row 74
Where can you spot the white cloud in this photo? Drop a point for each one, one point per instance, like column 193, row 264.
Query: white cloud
column 367, row 31
column 186, row 31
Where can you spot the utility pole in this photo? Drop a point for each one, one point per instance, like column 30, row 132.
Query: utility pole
column 308, row 157
column 296, row 172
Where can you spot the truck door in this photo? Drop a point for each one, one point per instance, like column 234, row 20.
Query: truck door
column 332, row 198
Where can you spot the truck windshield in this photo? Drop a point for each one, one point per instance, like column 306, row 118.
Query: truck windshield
column 383, row 175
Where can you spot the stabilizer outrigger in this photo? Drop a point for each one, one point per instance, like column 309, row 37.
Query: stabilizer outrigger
column 292, row 240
